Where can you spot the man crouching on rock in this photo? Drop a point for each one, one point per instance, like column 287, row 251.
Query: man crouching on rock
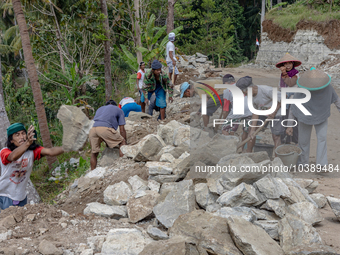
column 106, row 122
column 17, row 163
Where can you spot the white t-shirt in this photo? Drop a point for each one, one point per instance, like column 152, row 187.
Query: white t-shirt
column 170, row 47
column 126, row 100
column 140, row 76
column 15, row 175
column 264, row 98
column 227, row 94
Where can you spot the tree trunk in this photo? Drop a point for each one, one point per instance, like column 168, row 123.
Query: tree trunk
column 171, row 16
column 137, row 31
column 4, row 122
column 280, row 7
column 107, row 52
column 33, row 76
column 263, row 12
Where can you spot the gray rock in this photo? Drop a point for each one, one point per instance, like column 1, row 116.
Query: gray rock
column 319, row 199
column 174, row 203
column 306, row 211
column 176, row 152
column 96, row 242
column 175, row 245
column 270, row 226
column 115, row 212
column 157, row 168
column 141, row 207
column 109, row 157
column 308, row 184
column 222, row 145
column 203, row 196
column 3, row 233
column 296, row 235
column 200, row 55
column 244, row 234
column 264, row 214
column 181, row 135
column 117, row 194
column 278, row 206
column 167, row 157
column 243, row 212
column 156, row 233
column 48, row 248
column 32, row 194
column 148, row 148
column 271, row 188
column 201, row 60
column 137, row 183
column 138, row 116
column 129, row 150
column 213, row 208
column 256, row 157
column 242, row 195
column 76, row 127
column 87, row 252
column 125, row 241
column 166, row 132
column 164, row 178
column 153, row 185
column 97, row 173
column 334, row 203
column 207, row 231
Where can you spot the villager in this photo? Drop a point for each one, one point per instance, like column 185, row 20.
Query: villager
column 158, row 83
column 288, row 78
column 128, row 104
column 140, row 84
column 171, row 57
column 106, row 122
column 262, row 98
column 17, row 163
column 322, row 96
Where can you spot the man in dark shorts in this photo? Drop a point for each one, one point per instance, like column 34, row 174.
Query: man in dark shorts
column 106, row 122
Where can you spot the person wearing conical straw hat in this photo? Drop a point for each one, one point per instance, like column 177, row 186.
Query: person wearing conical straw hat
column 319, row 105
column 288, row 78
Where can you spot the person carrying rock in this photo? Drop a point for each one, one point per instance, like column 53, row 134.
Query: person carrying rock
column 171, row 57
column 128, row 104
column 17, row 163
column 140, row 84
column 262, row 100
column 158, row 83
column 319, row 105
column 288, row 78
column 106, row 122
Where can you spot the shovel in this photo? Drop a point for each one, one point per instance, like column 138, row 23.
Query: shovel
column 249, row 138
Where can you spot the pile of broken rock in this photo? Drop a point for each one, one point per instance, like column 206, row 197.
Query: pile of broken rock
column 210, row 213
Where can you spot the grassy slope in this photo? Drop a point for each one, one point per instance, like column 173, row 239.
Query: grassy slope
column 289, row 16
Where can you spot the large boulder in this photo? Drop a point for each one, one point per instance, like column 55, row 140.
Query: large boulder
column 125, row 241
column 334, row 203
column 319, row 199
column 278, row 206
column 270, row 226
column 181, row 135
column 271, row 188
column 166, row 132
column 207, row 231
column 306, row 211
column 242, row 195
column 115, row 212
column 109, row 157
column 175, row 202
column 137, row 183
column 203, row 196
column 252, row 239
column 76, row 127
column 117, row 194
column 299, row 237
column 148, row 148
column 140, row 205
column 173, row 246
column 243, row 212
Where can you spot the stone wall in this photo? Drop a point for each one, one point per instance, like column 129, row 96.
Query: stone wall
column 307, row 45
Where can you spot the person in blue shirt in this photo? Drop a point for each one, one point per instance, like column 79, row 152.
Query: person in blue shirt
column 106, row 122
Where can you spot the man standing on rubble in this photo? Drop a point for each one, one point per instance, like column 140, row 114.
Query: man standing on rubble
column 171, row 57
column 158, row 83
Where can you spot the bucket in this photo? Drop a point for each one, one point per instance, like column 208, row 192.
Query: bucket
column 289, row 154
column 264, row 147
